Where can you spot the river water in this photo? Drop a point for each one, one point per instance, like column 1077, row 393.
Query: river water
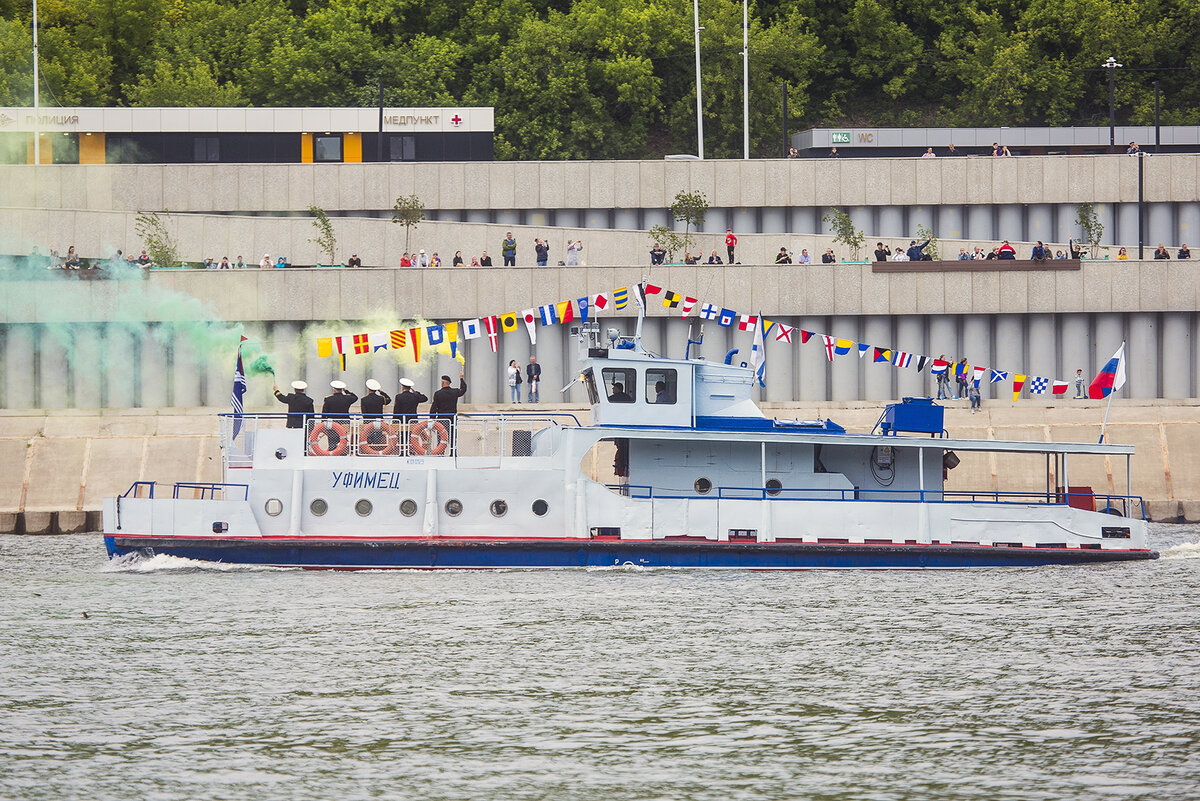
column 192, row 681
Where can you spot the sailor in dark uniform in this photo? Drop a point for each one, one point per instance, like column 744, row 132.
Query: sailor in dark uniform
column 445, row 402
column 337, row 406
column 374, row 402
column 407, row 401
column 300, row 406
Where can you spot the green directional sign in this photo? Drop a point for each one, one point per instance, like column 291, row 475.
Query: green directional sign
column 840, row 137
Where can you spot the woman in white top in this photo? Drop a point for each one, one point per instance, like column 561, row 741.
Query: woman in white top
column 514, row 381
column 573, row 249
column 899, row 255
column 265, row 264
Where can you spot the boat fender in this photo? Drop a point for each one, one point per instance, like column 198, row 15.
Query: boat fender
column 386, row 443
column 331, row 428
column 429, row 437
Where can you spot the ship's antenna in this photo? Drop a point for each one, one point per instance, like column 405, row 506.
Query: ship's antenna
column 640, row 297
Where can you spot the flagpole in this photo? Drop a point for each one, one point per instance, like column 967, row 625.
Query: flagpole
column 1104, row 423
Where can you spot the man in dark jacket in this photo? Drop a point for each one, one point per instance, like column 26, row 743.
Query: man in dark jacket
column 917, row 252
column 407, row 401
column 337, row 406
column 300, row 406
column 533, row 372
column 445, row 402
column 375, row 400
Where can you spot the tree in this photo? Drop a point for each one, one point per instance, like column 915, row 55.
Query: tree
column 1093, row 229
column 160, row 245
column 844, row 231
column 325, row 240
column 408, row 211
column 184, row 85
column 689, row 208
column 932, row 247
column 667, row 239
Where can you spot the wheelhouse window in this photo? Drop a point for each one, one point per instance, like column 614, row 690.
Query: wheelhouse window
column 620, row 384
column 662, row 386
column 327, row 148
column 589, row 383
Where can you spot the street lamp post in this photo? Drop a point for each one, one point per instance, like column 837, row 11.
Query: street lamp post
column 1111, row 65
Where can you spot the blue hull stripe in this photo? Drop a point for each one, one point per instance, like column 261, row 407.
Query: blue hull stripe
column 342, row 554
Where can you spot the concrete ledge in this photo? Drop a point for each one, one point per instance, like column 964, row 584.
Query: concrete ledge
column 1191, row 511
column 1165, row 511
column 972, row 266
column 40, row 523
column 72, row 522
column 10, row 522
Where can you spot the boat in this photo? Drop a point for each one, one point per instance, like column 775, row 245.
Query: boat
column 677, row 467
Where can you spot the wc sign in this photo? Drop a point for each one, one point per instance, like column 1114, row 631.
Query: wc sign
column 840, row 137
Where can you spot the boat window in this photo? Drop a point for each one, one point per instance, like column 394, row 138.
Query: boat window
column 774, row 486
column 499, row 508
column 363, row 507
column 540, row 507
column 408, row 507
column 589, row 383
column 703, row 486
column 318, row 507
column 454, row 507
column 273, row 507
column 620, row 384
column 661, row 386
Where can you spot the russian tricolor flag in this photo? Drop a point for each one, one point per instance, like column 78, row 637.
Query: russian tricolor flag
column 1111, row 376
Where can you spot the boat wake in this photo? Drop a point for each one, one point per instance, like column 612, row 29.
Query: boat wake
column 1186, row 550
column 163, row 563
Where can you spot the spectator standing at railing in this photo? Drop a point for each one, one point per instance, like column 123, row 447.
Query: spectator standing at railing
column 144, row 259
column 657, row 254
column 730, row 242
column 1133, row 149
column 1039, row 252
column 827, row 257
column 713, row 258
column 422, row 260
column 1006, row 251
column 265, row 264
column 783, row 257
column 225, row 265
column 882, row 252
column 407, row 401
column 804, row 257
column 929, row 154
column 533, row 372
column 1184, row 253
column 1161, row 252
column 899, row 254
column 485, row 260
column 374, row 402
column 917, row 252
column 300, row 406
column 514, row 381
column 355, row 261
column 508, row 249
column 457, row 261
column 573, row 251
column 542, row 251
column 963, row 255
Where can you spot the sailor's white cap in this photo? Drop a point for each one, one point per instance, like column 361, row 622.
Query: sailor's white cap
column 373, row 384
column 407, row 382
column 299, row 385
column 338, row 384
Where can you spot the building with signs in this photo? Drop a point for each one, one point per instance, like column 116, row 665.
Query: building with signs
column 245, row 135
column 900, row 142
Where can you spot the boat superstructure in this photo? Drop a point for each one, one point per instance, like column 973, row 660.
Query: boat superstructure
column 676, row 467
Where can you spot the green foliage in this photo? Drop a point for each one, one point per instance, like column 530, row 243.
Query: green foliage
column 844, row 231
column 615, row 78
column 924, row 233
column 408, row 211
column 1093, row 229
column 325, row 240
column 666, row 238
column 159, row 243
column 689, row 208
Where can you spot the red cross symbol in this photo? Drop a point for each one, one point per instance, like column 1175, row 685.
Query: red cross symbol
column 456, row 120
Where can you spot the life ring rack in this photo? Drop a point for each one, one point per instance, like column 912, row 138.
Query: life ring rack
column 331, row 429
column 428, row 437
column 390, row 446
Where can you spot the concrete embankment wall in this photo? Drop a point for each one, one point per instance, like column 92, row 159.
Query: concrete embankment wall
column 58, row 466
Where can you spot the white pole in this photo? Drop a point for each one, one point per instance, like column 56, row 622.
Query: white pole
column 699, row 105
column 1104, row 424
column 745, row 79
column 37, row 134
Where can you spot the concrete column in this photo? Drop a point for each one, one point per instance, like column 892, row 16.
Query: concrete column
column 1011, row 223
column 1010, row 353
column 552, row 355
column 1040, row 223
column 846, row 371
column 950, row 223
column 1160, row 227
column 512, row 346
column 891, row 223
column 1074, row 348
column 156, row 370
column 812, row 371
column 1141, row 354
column 484, row 371
column 745, row 221
column 877, row 378
column 653, row 217
column 507, row 217
column 1066, row 227
column 1126, row 232
column 715, row 221
column 626, row 219
column 804, row 220
column 119, row 371
column 910, row 336
column 1107, row 332
column 473, row 216
column 921, row 215
column 52, row 368
column 595, row 218
column 781, row 373
column 18, row 360
column 1177, row 346
column 863, row 218
column 1189, row 223
column 1106, row 213
column 566, row 218
column 1042, row 357
column 977, row 344
column 774, row 220
column 979, row 224
column 316, row 371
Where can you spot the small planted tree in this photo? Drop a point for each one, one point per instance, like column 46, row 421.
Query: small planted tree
column 408, row 211
column 924, row 233
column 1093, row 229
column 667, row 239
column 160, row 245
column 689, row 208
column 844, row 231
column 325, row 240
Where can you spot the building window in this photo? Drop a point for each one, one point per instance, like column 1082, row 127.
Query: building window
column 620, row 384
column 402, row 147
column 661, row 386
column 206, row 148
column 327, row 148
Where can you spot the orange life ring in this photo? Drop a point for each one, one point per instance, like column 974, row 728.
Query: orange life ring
column 429, row 437
column 330, row 428
column 390, row 439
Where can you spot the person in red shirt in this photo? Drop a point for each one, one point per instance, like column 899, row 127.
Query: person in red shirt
column 730, row 242
column 1007, row 251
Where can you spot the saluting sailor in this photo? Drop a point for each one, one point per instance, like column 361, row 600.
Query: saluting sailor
column 337, row 406
column 300, row 406
column 407, row 401
column 374, row 402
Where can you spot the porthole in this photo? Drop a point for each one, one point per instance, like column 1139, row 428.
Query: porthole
column 408, row 507
column 454, row 507
column 703, row 486
column 363, row 507
column 318, row 507
column 499, row 508
column 774, row 486
column 273, row 507
column 540, row 507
